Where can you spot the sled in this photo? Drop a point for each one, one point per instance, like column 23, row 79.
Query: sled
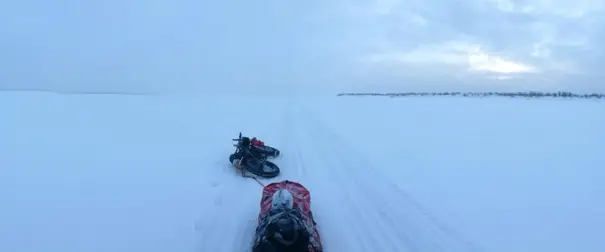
column 301, row 201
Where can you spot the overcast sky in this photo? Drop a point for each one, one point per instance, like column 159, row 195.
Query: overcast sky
column 302, row 46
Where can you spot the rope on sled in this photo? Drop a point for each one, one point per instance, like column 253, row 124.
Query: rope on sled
column 238, row 166
column 255, row 179
column 258, row 181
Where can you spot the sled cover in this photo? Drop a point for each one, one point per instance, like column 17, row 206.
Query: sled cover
column 299, row 200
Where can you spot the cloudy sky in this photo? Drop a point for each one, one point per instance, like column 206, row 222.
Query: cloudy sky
column 302, row 46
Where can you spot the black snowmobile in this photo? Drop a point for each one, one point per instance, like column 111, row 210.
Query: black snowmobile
column 252, row 159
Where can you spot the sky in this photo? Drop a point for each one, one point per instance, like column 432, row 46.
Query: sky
column 312, row 46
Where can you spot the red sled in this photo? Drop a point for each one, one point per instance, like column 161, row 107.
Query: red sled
column 301, row 201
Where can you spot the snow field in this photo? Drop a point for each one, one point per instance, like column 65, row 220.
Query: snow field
column 151, row 173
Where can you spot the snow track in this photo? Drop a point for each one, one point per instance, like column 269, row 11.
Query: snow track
column 361, row 210
column 356, row 207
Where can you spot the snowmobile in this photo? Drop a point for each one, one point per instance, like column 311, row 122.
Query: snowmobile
column 248, row 158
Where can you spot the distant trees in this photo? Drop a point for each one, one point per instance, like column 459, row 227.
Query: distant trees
column 531, row 94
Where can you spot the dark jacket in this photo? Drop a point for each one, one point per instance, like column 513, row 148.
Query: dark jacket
column 269, row 245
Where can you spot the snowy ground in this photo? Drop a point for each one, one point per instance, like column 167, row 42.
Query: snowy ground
column 101, row 173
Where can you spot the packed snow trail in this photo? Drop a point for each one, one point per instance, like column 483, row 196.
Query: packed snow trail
column 151, row 173
column 357, row 208
column 354, row 212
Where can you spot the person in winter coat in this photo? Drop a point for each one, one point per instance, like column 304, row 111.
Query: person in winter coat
column 285, row 222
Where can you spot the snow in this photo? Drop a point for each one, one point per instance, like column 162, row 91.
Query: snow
column 151, row 173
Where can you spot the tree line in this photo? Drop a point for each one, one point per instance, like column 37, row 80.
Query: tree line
column 531, row 94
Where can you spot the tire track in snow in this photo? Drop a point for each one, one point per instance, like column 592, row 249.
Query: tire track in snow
column 279, row 135
column 327, row 199
column 393, row 218
column 293, row 133
column 363, row 223
column 308, row 167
